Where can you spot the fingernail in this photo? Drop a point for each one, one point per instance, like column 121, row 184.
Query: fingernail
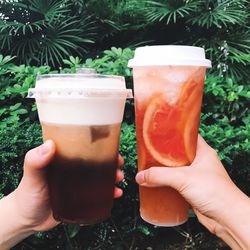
column 45, row 148
column 140, row 177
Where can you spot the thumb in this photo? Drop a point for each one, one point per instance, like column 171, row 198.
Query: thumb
column 36, row 160
column 163, row 176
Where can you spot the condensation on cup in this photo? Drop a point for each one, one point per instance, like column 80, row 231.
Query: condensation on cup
column 82, row 114
column 168, row 89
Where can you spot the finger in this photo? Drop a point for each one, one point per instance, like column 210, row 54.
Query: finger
column 119, row 175
column 36, row 160
column 120, row 161
column 118, row 192
column 163, row 176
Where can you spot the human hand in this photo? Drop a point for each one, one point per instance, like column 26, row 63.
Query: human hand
column 218, row 203
column 32, row 196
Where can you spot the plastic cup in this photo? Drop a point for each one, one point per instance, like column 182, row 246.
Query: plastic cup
column 82, row 114
column 168, row 89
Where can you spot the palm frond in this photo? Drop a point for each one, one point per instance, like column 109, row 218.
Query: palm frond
column 222, row 14
column 6, row 40
column 238, row 71
column 50, row 36
column 230, row 53
column 50, row 9
column 169, row 11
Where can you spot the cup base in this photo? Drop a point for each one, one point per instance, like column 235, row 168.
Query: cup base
column 164, row 224
column 81, row 222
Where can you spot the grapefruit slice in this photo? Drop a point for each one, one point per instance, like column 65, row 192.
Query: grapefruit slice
column 163, row 133
column 191, row 134
column 141, row 157
column 192, row 122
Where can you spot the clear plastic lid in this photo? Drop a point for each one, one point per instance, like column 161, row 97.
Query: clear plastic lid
column 79, row 86
column 86, row 71
column 161, row 55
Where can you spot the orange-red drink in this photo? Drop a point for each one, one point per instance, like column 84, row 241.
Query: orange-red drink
column 167, row 104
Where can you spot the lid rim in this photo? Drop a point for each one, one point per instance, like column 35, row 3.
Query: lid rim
column 133, row 64
column 77, row 75
column 76, row 93
column 163, row 55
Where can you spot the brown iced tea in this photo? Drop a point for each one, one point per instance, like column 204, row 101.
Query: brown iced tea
column 81, row 176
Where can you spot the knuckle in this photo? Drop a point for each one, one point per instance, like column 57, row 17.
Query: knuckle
column 28, row 157
column 214, row 153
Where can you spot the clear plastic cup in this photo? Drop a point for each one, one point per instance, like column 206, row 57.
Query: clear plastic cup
column 82, row 114
column 168, row 89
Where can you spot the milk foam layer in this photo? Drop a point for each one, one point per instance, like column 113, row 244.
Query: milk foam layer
column 82, row 111
column 90, row 110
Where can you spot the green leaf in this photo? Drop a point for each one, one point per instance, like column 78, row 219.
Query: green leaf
column 15, row 107
column 144, row 230
column 65, row 61
column 73, row 230
column 21, row 111
column 2, row 111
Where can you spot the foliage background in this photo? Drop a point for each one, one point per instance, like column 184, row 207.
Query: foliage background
column 56, row 36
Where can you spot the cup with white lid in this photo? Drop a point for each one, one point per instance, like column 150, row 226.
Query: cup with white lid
column 168, row 90
column 82, row 114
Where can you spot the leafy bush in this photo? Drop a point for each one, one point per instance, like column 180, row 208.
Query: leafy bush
column 233, row 147
column 16, row 80
column 226, row 100
column 225, row 124
column 16, row 140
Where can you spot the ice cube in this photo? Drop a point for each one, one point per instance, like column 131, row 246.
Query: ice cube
column 99, row 132
column 171, row 94
column 179, row 75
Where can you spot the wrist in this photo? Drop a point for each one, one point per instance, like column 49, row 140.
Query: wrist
column 235, row 224
column 14, row 229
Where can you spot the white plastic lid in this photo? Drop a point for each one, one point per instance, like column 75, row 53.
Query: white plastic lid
column 161, row 55
column 79, row 86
